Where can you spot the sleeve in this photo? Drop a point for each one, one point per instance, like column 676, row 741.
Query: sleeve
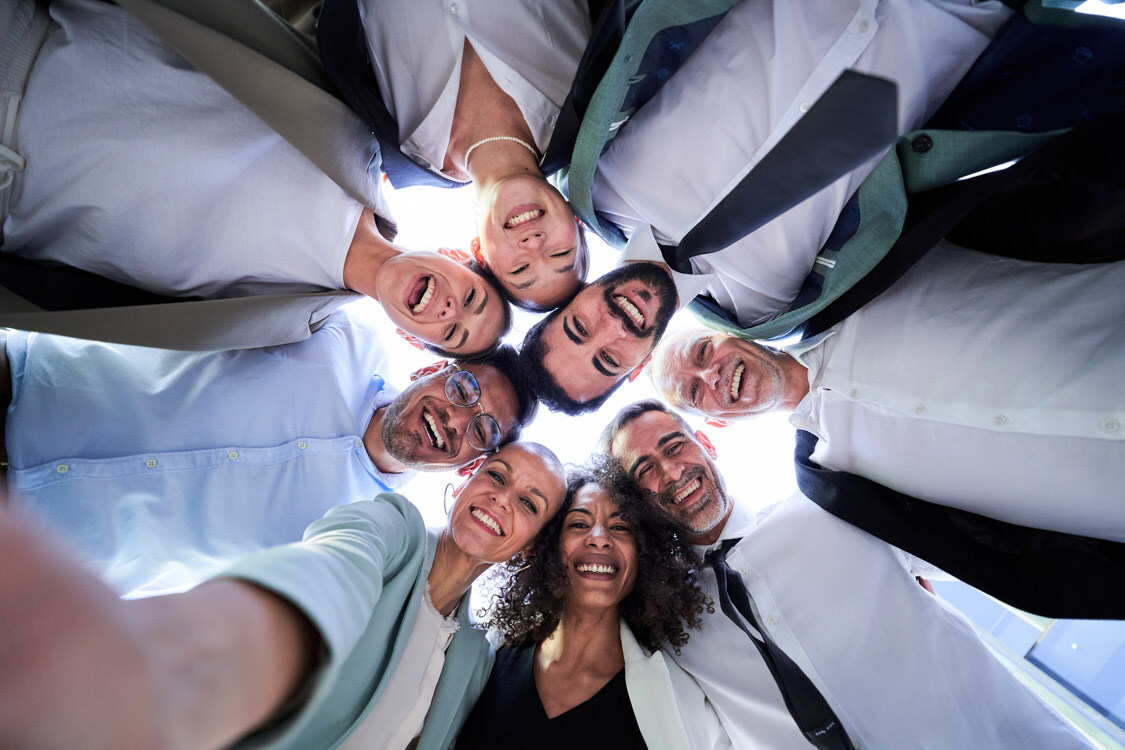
column 335, row 575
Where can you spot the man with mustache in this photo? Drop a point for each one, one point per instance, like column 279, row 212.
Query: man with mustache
column 158, row 466
column 842, row 647
column 577, row 356
column 912, row 398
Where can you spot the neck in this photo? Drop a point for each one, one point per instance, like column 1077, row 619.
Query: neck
column 373, row 442
column 452, row 574
column 585, row 641
column 367, row 254
column 483, row 110
column 795, row 382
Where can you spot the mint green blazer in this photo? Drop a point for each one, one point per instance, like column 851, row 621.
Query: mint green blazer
column 359, row 575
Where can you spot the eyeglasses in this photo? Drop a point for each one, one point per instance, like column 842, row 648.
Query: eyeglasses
column 462, row 389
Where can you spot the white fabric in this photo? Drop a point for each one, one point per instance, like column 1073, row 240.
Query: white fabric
column 671, row 709
column 397, row 717
column 745, row 87
column 897, row 666
column 988, row 384
column 530, row 48
column 157, row 467
column 642, row 247
column 141, row 169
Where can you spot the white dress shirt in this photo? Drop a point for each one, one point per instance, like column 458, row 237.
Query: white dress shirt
column 143, row 170
column 530, row 48
column 984, row 383
column 157, row 467
column 898, row 667
column 758, row 72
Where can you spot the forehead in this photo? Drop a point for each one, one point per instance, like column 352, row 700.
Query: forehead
column 484, row 329
column 530, row 468
column 592, row 495
column 496, row 392
column 641, row 435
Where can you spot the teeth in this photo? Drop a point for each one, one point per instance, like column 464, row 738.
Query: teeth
column 526, row 216
column 690, row 488
column 435, row 433
column 631, row 309
column 589, row 568
column 425, row 297
column 736, row 380
column 486, row 519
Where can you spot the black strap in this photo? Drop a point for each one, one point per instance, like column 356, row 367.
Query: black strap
column 1048, row 573
column 855, row 120
column 54, row 286
column 813, row 715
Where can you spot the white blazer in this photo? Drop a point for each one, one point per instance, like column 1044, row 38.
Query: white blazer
column 671, row 709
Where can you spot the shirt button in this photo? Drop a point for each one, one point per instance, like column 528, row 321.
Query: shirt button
column 921, row 144
column 920, row 409
column 232, row 455
column 805, row 107
column 359, row 444
column 454, row 9
column 302, row 445
column 151, row 463
column 62, row 468
column 855, row 393
column 1000, row 419
column 771, row 620
column 863, row 27
column 1110, row 425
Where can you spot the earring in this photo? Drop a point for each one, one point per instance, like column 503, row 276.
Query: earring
column 445, row 497
column 411, row 339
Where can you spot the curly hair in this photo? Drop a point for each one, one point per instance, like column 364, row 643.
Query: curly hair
column 665, row 602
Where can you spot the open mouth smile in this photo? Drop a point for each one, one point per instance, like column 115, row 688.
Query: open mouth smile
column 687, row 490
column 631, row 310
column 486, row 520
column 433, row 431
column 523, row 215
column 736, row 382
column 420, row 294
column 596, row 568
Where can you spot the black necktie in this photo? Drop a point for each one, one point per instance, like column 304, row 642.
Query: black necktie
column 855, row 119
column 805, row 703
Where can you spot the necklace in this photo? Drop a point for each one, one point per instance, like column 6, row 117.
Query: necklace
column 482, row 141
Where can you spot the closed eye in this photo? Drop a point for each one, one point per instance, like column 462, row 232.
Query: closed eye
column 564, row 253
column 518, row 271
column 452, row 329
column 469, row 297
column 693, row 395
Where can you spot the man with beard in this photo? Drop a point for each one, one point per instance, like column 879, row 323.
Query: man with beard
column 578, row 355
column 912, row 413
column 158, row 466
column 824, row 637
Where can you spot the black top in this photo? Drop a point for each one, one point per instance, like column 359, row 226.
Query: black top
column 509, row 714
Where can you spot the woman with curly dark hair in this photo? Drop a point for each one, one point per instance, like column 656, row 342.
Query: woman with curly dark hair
column 604, row 587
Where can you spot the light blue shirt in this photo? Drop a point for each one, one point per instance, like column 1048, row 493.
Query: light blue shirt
column 157, row 467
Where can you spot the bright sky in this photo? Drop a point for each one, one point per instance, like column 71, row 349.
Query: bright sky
column 756, row 457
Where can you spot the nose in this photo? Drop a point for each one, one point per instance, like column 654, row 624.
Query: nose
column 670, row 471
column 533, row 241
column 448, row 308
column 709, row 374
column 597, row 536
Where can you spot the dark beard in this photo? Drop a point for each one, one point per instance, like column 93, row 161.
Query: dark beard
column 653, row 276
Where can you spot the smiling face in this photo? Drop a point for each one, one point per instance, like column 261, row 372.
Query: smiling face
column 441, row 301
column 608, row 329
column 598, row 550
column 673, row 470
column 503, row 507
column 530, row 240
column 719, row 375
column 424, row 430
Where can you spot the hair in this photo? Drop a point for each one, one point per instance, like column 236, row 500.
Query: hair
column 666, row 599
column 543, row 383
column 631, row 412
column 505, row 361
column 505, row 320
column 582, row 264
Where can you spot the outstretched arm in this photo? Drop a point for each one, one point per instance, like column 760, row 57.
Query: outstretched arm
column 84, row 669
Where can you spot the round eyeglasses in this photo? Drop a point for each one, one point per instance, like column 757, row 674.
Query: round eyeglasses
column 483, row 431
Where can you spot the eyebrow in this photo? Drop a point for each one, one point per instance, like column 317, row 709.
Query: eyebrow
column 503, row 463
column 601, row 368
column 568, row 269
column 569, row 333
column 459, row 344
column 670, row 436
column 526, row 284
column 483, row 302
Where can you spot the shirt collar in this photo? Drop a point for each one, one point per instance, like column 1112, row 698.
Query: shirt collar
column 642, row 246
column 740, row 523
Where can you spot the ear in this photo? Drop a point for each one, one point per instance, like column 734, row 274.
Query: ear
column 411, row 339
column 716, row 422
column 637, row 370
column 471, row 468
column 428, row 370
column 451, row 252
column 706, row 443
column 474, row 248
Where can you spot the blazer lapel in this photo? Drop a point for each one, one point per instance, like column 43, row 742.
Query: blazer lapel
column 650, row 693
